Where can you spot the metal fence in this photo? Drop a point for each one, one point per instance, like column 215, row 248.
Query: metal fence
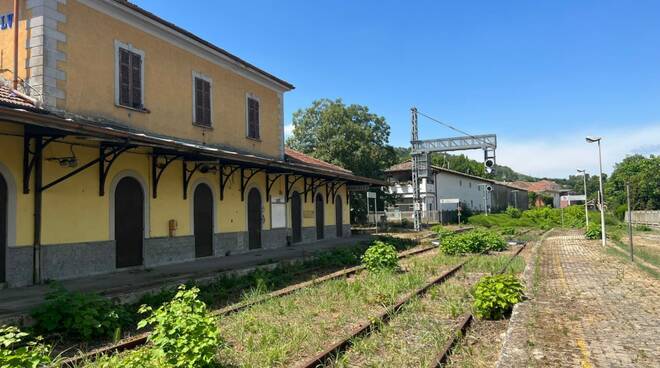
column 428, row 217
column 651, row 218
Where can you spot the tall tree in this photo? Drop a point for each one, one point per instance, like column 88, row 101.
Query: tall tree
column 349, row 136
column 643, row 174
column 346, row 135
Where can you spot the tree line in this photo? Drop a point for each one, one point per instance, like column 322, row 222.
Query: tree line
column 357, row 139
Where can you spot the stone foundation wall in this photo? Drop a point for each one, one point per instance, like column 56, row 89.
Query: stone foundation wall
column 66, row 261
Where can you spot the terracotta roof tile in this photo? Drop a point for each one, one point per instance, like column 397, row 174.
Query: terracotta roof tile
column 10, row 97
column 299, row 157
column 539, row 186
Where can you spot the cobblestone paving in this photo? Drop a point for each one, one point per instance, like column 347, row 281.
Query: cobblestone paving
column 588, row 310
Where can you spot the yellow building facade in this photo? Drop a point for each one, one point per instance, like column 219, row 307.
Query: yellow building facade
column 129, row 143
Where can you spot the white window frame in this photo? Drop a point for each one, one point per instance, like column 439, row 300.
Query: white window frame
column 249, row 96
column 205, row 77
column 131, row 48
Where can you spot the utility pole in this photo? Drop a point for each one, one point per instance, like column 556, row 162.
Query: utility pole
column 414, row 137
column 630, row 234
column 600, row 192
column 586, row 205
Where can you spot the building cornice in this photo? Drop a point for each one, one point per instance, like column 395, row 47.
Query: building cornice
column 157, row 27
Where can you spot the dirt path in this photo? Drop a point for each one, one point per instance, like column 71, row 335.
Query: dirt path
column 588, row 309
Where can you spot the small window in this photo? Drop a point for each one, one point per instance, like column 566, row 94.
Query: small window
column 460, row 183
column 252, row 118
column 470, row 183
column 202, row 100
column 130, row 78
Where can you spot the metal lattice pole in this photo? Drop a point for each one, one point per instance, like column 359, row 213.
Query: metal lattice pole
column 414, row 137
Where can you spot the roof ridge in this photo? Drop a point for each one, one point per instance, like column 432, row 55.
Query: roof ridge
column 314, row 159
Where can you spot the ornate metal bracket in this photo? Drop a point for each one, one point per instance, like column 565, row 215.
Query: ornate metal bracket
column 269, row 184
column 187, row 175
column 289, row 184
column 224, row 178
column 245, row 179
column 328, row 191
column 335, row 189
column 107, row 156
column 158, row 169
column 30, row 156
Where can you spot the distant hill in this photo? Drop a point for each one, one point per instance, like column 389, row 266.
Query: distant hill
column 467, row 165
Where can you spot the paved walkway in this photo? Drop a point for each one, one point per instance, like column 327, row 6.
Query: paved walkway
column 17, row 302
column 588, row 309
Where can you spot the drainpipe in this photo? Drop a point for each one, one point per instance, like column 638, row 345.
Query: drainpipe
column 15, row 25
column 38, row 181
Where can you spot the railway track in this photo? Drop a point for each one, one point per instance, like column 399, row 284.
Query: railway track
column 464, row 324
column 138, row 340
column 374, row 323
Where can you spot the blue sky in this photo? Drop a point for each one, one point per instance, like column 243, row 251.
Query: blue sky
column 541, row 75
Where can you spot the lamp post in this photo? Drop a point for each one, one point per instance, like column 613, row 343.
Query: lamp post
column 600, row 184
column 586, row 207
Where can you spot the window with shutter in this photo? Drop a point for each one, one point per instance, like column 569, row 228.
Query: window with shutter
column 202, row 101
column 253, row 118
column 130, row 79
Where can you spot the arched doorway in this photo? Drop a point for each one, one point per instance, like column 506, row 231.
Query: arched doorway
column 319, row 216
column 4, row 196
column 129, row 222
column 254, row 219
column 339, row 217
column 203, row 221
column 296, row 217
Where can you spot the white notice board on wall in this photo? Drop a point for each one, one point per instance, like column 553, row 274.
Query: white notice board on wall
column 277, row 212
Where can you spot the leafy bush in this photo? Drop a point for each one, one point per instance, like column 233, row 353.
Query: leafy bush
column 140, row 358
column 508, row 230
column 397, row 243
column 593, row 231
column 441, row 230
column 495, row 296
column 543, row 217
column 380, row 256
column 574, row 216
column 79, row 315
column 475, row 241
column 183, row 330
column 16, row 352
column 643, row 228
column 513, row 212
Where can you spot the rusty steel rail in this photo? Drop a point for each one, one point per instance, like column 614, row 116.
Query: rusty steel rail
column 464, row 324
column 373, row 323
column 290, row 289
column 141, row 339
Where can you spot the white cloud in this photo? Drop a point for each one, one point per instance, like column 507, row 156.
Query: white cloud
column 560, row 155
column 288, row 130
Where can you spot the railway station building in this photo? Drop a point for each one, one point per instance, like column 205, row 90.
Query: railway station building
column 127, row 142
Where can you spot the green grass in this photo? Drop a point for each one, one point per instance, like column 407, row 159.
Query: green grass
column 412, row 337
column 616, row 253
column 645, row 254
column 284, row 330
column 493, row 264
column 281, row 331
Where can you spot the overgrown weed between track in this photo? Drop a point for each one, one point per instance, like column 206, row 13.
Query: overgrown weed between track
column 423, row 325
column 281, row 331
column 105, row 319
